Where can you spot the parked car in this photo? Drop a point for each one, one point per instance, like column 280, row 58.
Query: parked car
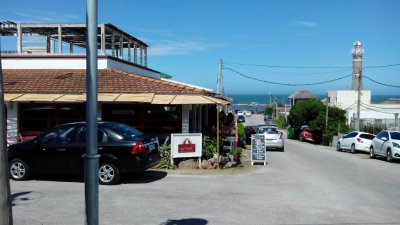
column 306, row 134
column 122, row 150
column 386, row 144
column 273, row 137
column 241, row 119
column 355, row 141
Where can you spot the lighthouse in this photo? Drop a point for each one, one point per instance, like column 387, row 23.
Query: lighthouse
column 357, row 53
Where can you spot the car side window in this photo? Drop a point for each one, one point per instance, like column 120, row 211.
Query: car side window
column 61, row 135
column 380, row 135
column 101, row 136
column 350, row 135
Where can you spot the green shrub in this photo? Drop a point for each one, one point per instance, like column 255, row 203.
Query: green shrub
column 209, row 148
column 165, row 162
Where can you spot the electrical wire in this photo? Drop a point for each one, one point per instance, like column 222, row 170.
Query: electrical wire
column 375, row 110
column 377, row 107
column 387, row 85
column 309, row 67
column 301, row 73
column 285, row 84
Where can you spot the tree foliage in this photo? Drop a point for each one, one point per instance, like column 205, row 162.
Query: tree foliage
column 268, row 110
column 313, row 114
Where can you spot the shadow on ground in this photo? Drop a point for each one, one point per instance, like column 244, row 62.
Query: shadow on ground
column 190, row 221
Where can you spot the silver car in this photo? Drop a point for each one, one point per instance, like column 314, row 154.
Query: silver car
column 355, row 141
column 386, row 144
column 273, row 137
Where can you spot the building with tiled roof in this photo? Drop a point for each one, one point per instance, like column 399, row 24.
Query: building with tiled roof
column 45, row 85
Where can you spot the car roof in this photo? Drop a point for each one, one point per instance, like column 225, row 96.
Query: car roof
column 267, row 126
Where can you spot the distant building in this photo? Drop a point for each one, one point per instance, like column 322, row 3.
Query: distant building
column 301, row 96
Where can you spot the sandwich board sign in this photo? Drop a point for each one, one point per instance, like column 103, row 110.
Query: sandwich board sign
column 258, row 153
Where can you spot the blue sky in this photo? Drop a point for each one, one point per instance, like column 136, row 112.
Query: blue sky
column 187, row 38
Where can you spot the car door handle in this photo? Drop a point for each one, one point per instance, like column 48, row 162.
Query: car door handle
column 100, row 148
column 60, row 149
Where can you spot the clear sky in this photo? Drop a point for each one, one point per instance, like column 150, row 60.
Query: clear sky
column 259, row 41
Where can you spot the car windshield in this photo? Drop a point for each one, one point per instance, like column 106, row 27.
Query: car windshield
column 395, row 135
column 124, row 130
column 269, row 130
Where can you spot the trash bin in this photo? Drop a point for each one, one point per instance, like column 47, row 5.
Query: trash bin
column 290, row 133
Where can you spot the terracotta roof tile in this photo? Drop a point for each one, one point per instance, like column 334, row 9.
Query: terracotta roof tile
column 74, row 81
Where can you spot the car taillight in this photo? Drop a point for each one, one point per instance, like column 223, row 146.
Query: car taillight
column 360, row 140
column 138, row 147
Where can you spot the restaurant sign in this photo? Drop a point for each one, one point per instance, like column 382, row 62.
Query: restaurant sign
column 186, row 145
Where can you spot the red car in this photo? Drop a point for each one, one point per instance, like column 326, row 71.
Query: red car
column 306, row 134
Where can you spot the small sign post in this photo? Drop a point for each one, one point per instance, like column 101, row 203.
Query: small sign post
column 258, row 153
column 186, row 145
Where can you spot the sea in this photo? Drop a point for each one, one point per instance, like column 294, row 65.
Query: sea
column 258, row 102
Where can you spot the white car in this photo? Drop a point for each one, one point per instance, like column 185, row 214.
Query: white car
column 386, row 144
column 273, row 137
column 247, row 113
column 355, row 141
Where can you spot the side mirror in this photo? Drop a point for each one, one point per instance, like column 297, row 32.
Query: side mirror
column 384, row 138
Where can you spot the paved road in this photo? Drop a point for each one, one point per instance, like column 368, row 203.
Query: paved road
column 306, row 184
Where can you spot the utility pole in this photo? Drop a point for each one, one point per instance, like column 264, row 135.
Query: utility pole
column 5, row 195
column 358, row 103
column 91, row 158
column 220, row 86
column 326, row 113
column 357, row 53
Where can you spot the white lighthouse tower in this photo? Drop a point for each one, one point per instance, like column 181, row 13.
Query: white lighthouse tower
column 357, row 53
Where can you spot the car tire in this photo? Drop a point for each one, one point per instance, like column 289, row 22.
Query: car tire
column 389, row 157
column 353, row 149
column 19, row 169
column 108, row 174
column 371, row 153
column 338, row 147
column 282, row 149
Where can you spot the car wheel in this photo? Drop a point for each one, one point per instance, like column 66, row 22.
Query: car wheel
column 338, row 147
column 19, row 169
column 371, row 152
column 389, row 157
column 353, row 149
column 282, row 149
column 108, row 174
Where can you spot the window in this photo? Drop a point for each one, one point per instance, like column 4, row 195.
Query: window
column 367, row 136
column 101, row 136
column 395, row 135
column 60, row 135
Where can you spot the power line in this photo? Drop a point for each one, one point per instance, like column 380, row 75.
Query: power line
column 367, row 107
column 309, row 67
column 285, row 84
column 387, row 85
column 300, row 73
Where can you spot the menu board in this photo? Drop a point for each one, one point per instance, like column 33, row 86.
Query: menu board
column 258, row 153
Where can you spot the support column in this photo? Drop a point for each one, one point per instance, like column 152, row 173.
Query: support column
column 113, row 44
column 19, row 39
column 141, row 55
column 129, row 51
column 135, row 53
column 145, row 56
column 71, row 48
column 59, row 39
column 185, row 118
column 121, row 47
column 396, row 121
column 103, row 39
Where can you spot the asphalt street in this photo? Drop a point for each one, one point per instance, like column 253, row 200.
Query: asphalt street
column 306, row 184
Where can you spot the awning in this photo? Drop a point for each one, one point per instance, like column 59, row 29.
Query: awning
column 151, row 98
column 145, row 97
